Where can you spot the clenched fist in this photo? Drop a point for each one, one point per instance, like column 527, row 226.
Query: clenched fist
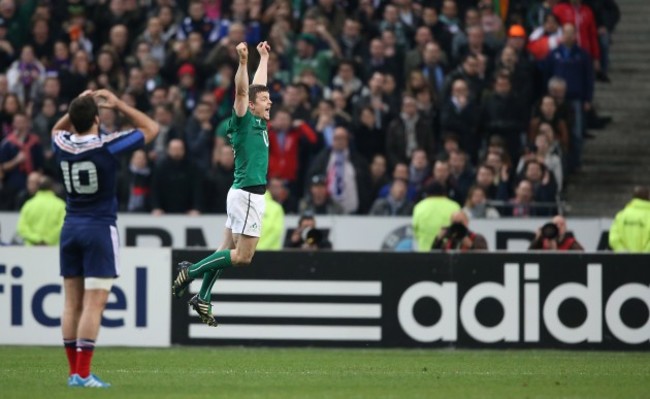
column 263, row 48
column 242, row 51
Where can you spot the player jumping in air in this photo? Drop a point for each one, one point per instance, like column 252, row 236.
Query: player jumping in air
column 247, row 130
column 89, row 242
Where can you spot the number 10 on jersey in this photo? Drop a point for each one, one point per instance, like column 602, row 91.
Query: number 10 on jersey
column 72, row 177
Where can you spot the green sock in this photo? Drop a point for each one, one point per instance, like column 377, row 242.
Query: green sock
column 209, row 279
column 216, row 261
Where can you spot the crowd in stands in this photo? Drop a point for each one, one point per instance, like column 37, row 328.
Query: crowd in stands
column 374, row 101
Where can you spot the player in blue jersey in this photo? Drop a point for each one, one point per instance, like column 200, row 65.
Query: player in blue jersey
column 89, row 242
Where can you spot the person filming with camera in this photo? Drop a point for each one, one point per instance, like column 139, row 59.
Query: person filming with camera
column 307, row 236
column 458, row 236
column 553, row 236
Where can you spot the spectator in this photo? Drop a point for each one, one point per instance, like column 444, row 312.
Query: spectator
column 199, row 135
column 246, row 13
column 378, row 61
column 374, row 97
column 307, row 236
column 555, row 237
column 219, row 180
column 378, row 176
column 78, row 77
column 434, row 68
column 440, row 33
column 468, row 71
column 630, row 231
column 458, row 236
column 391, row 22
column 430, row 215
column 280, row 193
column 41, row 218
column 476, row 205
column 441, row 174
column 7, row 50
column 547, row 112
column 154, row 36
column 318, row 201
column 43, row 121
column 330, row 12
column 288, row 139
column 459, row 114
column 26, row 75
column 325, row 121
column 461, row 176
column 400, row 172
column 502, row 115
column 20, row 154
column 486, row 179
column 418, row 169
column 476, row 45
column 408, row 132
column 347, row 173
column 580, row 15
column 346, row 81
column 395, row 204
column 272, row 225
column 197, row 21
column 307, row 56
column 607, row 15
column 351, row 41
column 109, row 74
column 164, row 116
column 134, row 187
column 521, row 204
column 573, row 64
column 541, row 152
column 449, row 17
column 545, row 39
column 537, row 12
column 33, row 183
column 369, row 139
column 414, row 57
column 490, row 21
column 291, row 101
column 177, row 186
column 544, row 185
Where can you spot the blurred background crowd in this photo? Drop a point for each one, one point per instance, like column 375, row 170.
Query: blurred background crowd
column 377, row 104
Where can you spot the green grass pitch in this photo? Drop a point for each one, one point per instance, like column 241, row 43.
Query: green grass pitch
column 233, row 372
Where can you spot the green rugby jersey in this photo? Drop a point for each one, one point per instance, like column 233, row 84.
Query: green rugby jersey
column 249, row 138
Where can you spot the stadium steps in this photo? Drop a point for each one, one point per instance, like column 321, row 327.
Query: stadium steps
column 619, row 157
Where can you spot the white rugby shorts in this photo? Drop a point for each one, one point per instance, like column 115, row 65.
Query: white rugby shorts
column 245, row 211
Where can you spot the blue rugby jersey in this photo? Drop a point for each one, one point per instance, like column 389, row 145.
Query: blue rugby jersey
column 89, row 168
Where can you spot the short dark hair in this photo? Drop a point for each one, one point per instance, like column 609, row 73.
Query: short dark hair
column 83, row 111
column 254, row 90
column 642, row 192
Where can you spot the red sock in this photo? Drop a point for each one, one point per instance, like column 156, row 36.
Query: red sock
column 71, row 352
column 85, row 350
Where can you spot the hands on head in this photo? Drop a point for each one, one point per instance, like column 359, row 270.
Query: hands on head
column 104, row 98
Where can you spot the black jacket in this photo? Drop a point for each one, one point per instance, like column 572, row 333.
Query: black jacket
column 177, row 187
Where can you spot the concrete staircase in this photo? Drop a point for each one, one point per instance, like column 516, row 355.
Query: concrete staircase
column 619, row 157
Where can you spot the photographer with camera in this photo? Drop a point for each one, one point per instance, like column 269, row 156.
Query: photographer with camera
column 554, row 237
column 307, row 236
column 458, row 236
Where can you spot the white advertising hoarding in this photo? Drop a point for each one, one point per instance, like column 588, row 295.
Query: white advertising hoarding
column 31, row 298
column 347, row 233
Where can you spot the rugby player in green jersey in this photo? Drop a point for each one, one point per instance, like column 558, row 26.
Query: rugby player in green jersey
column 248, row 135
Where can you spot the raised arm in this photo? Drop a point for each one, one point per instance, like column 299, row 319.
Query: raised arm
column 261, row 75
column 148, row 127
column 241, row 81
